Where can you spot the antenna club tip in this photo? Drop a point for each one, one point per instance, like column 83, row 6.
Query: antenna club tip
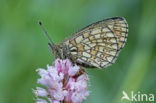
column 40, row 23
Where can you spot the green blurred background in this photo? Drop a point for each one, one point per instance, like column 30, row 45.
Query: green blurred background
column 23, row 47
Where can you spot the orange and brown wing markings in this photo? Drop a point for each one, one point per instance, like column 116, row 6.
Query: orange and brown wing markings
column 85, row 35
column 93, row 52
column 121, row 32
column 80, row 47
column 73, row 42
column 98, row 44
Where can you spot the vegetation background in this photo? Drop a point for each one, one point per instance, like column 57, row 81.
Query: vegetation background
column 23, row 47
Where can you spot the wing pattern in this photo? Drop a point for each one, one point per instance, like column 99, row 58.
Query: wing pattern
column 99, row 44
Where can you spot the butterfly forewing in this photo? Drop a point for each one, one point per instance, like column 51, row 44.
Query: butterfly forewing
column 98, row 44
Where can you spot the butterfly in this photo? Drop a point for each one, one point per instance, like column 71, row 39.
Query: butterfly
column 96, row 46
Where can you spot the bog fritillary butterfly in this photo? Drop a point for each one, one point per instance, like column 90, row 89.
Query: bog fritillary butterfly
column 96, row 45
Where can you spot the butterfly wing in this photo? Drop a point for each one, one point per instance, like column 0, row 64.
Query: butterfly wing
column 98, row 44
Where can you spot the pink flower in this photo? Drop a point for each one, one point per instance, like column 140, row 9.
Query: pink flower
column 40, row 92
column 64, row 82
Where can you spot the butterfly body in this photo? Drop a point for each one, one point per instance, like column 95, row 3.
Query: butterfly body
column 96, row 45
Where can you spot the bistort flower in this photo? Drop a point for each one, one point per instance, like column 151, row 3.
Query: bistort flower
column 65, row 83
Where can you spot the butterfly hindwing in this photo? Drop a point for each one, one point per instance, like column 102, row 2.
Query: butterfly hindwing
column 98, row 44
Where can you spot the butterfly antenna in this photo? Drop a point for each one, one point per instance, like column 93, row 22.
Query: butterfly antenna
column 45, row 33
